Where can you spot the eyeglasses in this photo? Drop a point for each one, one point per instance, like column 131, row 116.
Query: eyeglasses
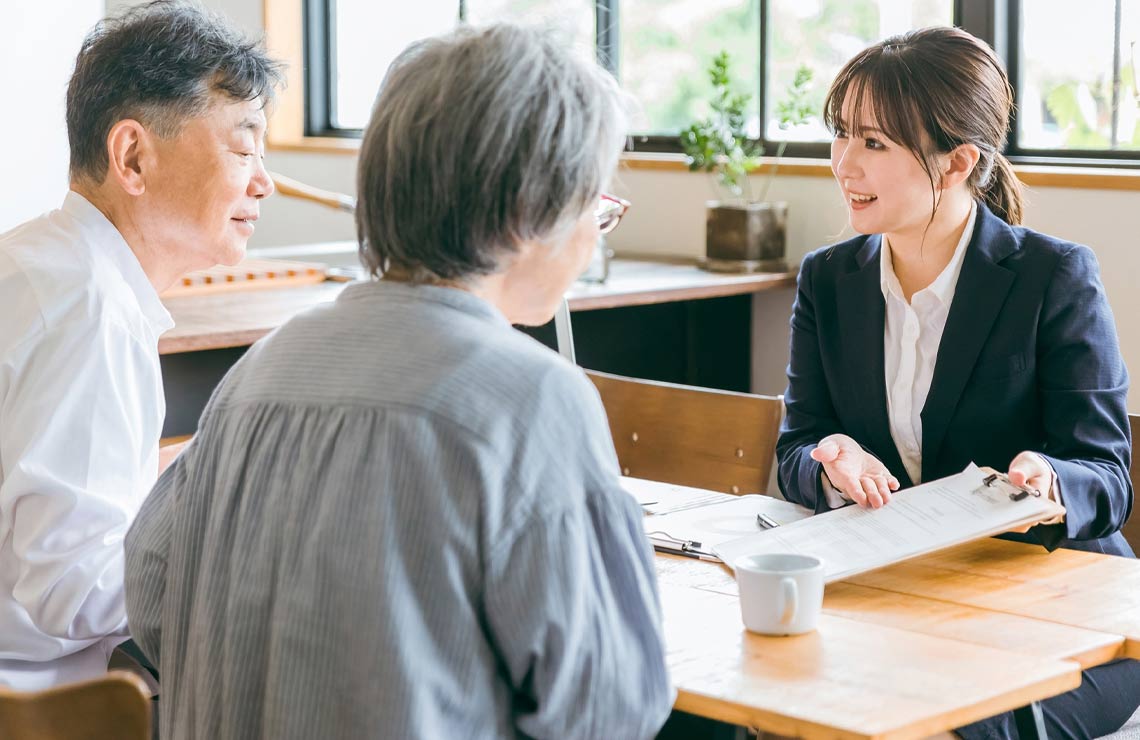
column 609, row 212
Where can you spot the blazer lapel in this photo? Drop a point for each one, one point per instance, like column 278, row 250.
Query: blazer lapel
column 978, row 298
column 862, row 319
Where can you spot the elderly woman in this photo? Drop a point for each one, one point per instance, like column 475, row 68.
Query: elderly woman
column 400, row 516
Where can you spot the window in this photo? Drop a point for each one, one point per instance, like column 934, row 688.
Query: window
column 1085, row 98
column 826, row 33
column 365, row 40
column 667, row 45
column 1082, row 104
column 352, row 42
column 665, row 49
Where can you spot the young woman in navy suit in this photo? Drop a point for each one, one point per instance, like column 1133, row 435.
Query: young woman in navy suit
column 946, row 333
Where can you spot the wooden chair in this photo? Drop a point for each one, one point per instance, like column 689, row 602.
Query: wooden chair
column 719, row 440
column 113, row 707
column 1131, row 528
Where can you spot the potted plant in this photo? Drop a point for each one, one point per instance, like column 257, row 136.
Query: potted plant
column 742, row 234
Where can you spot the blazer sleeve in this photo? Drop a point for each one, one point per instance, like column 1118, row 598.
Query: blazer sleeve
column 810, row 415
column 1083, row 386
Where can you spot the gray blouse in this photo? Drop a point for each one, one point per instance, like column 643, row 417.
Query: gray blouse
column 400, row 518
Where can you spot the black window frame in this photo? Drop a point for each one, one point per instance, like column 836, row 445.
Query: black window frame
column 997, row 22
column 1119, row 158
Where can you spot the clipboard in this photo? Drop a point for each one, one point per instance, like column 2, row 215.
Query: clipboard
column 690, row 522
column 960, row 508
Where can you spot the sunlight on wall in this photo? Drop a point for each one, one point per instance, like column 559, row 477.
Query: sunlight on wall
column 38, row 44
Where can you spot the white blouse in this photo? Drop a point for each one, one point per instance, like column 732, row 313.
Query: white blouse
column 911, row 336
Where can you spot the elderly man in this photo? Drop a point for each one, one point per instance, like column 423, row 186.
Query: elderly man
column 401, row 517
column 165, row 121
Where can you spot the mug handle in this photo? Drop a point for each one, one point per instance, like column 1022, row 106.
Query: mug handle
column 789, row 600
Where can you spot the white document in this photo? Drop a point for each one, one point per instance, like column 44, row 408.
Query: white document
column 662, row 498
column 715, row 523
column 929, row 517
column 681, row 515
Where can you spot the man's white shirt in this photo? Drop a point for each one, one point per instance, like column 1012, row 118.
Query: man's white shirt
column 81, row 411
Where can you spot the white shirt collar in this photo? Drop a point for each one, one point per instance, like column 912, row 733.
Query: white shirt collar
column 943, row 286
column 112, row 246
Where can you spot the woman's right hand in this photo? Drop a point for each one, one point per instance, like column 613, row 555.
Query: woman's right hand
column 857, row 474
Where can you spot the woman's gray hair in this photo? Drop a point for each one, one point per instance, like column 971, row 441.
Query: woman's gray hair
column 480, row 140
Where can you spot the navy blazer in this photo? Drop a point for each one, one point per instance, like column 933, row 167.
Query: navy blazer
column 1029, row 360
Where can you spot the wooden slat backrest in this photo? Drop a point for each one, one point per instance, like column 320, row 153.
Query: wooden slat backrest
column 719, row 440
column 1131, row 528
column 112, row 707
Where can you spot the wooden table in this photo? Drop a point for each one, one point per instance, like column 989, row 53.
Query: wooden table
column 906, row 651
column 1067, row 587
column 238, row 319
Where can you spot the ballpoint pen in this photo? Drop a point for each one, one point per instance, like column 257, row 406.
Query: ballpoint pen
column 676, row 546
column 686, row 552
column 1020, row 492
column 766, row 522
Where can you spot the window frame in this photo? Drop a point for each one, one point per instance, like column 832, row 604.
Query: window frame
column 1094, row 158
column 997, row 22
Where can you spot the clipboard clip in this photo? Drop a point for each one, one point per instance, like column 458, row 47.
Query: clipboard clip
column 1019, row 493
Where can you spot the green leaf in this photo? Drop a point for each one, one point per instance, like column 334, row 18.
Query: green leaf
column 719, row 143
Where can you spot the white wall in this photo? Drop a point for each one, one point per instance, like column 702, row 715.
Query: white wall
column 38, row 43
column 247, row 14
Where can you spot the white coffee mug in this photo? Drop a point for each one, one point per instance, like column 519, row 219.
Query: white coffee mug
column 780, row 594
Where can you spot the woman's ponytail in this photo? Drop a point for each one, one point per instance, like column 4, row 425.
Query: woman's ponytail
column 1002, row 192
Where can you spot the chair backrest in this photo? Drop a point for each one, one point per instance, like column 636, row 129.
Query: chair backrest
column 1131, row 528
column 719, row 440
column 113, row 707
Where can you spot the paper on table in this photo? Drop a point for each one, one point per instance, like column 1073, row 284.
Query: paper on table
column 929, row 517
column 681, row 514
column 662, row 498
column 720, row 521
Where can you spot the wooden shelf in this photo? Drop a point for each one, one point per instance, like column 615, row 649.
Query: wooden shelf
column 240, row 319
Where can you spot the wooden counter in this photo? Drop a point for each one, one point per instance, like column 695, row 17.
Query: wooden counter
column 240, row 319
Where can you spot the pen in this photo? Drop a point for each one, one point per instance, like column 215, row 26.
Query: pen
column 686, row 553
column 766, row 522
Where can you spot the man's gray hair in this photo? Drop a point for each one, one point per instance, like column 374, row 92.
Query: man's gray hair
column 480, row 140
column 161, row 64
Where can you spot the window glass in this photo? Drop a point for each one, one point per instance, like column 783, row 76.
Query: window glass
column 572, row 20
column 1066, row 92
column 823, row 35
column 667, row 45
column 665, row 50
column 368, row 36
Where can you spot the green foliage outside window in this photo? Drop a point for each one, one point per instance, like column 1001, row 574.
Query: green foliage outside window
column 1082, row 112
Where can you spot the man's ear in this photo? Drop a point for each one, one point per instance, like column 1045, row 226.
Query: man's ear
column 129, row 152
column 959, row 164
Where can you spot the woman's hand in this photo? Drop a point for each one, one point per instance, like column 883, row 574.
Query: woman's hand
column 856, row 473
column 1030, row 470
